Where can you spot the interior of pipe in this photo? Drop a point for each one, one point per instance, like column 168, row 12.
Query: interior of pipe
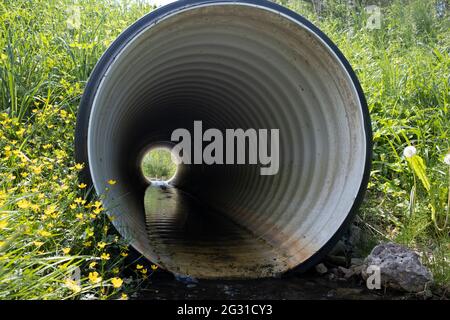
column 230, row 66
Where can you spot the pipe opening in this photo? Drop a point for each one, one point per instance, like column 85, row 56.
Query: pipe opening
column 230, row 65
column 158, row 164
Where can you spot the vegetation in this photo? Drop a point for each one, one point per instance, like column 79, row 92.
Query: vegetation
column 404, row 69
column 57, row 243
column 158, row 165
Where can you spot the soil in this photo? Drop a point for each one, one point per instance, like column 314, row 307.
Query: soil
column 308, row 286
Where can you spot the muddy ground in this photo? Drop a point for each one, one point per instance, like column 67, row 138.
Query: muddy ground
column 164, row 286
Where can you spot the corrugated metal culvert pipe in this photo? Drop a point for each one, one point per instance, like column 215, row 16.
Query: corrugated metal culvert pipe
column 230, row 64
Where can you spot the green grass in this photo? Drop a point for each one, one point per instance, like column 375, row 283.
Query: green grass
column 44, row 65
column 158, row 165
column 404, row 70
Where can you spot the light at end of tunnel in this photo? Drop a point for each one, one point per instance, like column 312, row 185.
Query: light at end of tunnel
column 159, row 164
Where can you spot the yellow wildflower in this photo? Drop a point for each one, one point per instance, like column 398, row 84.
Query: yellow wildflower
column 105, row 256
column 116, row 282
column 154, row 267
column 94, row 278
column 23, row 204
column 82, row 185
column 139, row 267
column 97, row 210
column 44, row 233
column 50, row 209
column 92, row 265
column 20, row 132
column 101, row 245
column 80, row 200
column 37, row 170
column 97, row 204
column 79, row 166
column 72, row 285
column 66, row 250
column 112, row 182
column 123, row 296
column 3, row 224
column 38, row 243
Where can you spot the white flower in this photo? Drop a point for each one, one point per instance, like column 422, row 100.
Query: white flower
column 409, row 152
column 447, row 159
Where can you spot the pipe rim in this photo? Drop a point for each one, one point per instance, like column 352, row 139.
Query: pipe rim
column 96, row 77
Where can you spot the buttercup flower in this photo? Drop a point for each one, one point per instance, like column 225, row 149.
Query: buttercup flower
column 44, row 233
column 3, row 224
column 94, row 278
column 101, row 245
column 23, row 204
column 116, row 282
column 112, row 182
column 105, row 256
column 80, row 200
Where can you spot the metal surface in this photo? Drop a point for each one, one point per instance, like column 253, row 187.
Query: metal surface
column 231, row 64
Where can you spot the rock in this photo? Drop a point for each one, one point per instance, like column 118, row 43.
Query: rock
column 349, row 243
column 185, row 279
column 353, row 237
column 347, row 273
column 356, row 262
column 331, row 293
column 334, row 271
column 331, row 276
column 339, row 249
column 357, row 270
column 321, row 269
column 348, row 292
column 400, row 268
column 336, row 260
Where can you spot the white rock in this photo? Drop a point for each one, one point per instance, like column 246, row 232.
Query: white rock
column 321, row 268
